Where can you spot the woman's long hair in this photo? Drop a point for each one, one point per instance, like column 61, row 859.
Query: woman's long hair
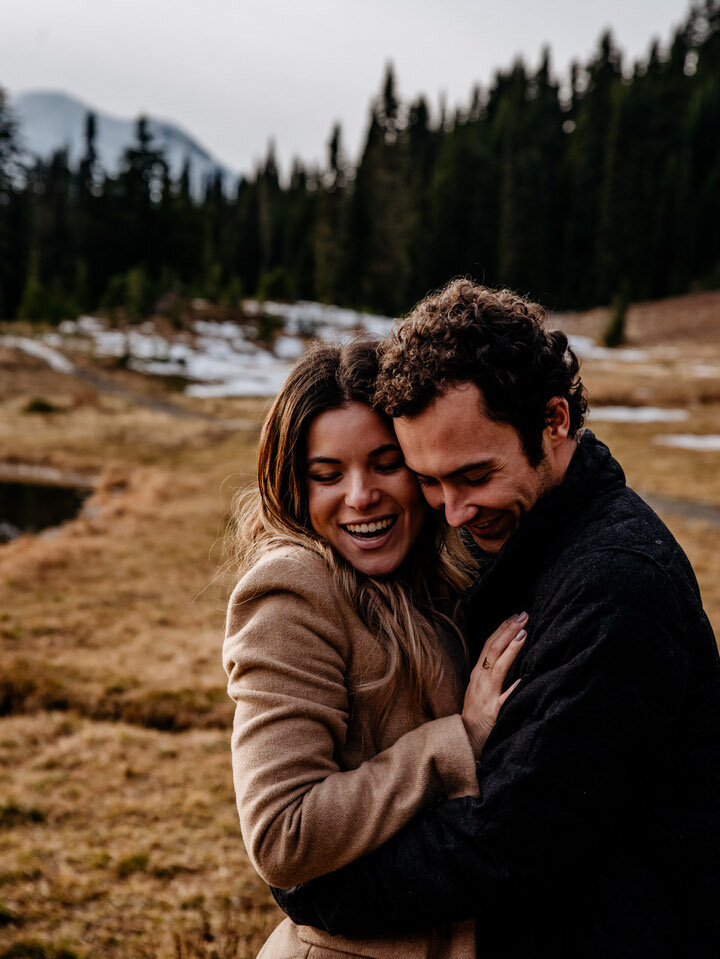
column 400, row 610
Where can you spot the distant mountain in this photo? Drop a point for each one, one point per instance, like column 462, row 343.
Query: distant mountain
column 49, row 121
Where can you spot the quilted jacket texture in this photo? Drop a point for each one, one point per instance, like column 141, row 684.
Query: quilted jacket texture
column 597, row 829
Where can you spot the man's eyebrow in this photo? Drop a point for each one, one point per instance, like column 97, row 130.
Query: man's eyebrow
column 466, row 468
column 480, row 465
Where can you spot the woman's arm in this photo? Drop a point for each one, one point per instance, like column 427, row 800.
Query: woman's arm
column 286, row 656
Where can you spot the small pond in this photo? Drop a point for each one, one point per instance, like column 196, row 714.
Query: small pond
column 28, row 507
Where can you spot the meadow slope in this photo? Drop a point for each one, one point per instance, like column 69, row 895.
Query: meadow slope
column 118, row 829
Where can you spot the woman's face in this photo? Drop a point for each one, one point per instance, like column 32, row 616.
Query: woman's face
column 361, row 497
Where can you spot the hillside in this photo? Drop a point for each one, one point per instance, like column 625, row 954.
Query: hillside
column 53, row 120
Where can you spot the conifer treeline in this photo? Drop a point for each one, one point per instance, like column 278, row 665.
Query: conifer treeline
column 610, row 187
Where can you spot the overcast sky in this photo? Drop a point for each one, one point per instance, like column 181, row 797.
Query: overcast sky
column 235, row 73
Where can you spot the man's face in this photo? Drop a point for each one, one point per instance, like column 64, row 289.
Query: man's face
column 472, row 467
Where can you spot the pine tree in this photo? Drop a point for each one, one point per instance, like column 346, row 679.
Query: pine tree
column 183, row 232
column 698, row 199
column 13, row 228
column 139, row 187
column 268, row 200
column 246, row 220
column 50, row 275
column 330, row 246
column 382, row 225
column 87, row 286
column 507, row 135
column 421, row 157
column 298, row 226
column 592, row 93
column 465, row 208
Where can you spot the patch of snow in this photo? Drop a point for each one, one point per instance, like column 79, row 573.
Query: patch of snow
column 636, row 414
column 8, row 531
column 305, row 318
column 90, row 324
column 288, row 347
column 335, row 336
column 710, row 443
column 44, row 474
column 227, row 330
column 248, row 381
column 55, row 360
column 706, row 370
column 587, row 349
column 219, row 358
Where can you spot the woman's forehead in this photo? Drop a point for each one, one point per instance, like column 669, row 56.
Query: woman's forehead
column 350, row 429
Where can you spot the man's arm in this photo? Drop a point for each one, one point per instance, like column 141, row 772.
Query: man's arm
column 605, row 670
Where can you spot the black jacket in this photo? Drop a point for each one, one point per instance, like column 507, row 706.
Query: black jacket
column 597, row 830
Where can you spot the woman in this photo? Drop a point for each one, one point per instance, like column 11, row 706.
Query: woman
column 342, row 662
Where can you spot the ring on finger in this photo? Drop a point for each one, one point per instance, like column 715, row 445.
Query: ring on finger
column 486, row 664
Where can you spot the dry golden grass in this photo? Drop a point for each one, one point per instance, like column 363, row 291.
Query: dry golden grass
column 122, row 841
column 117, row 616
column 118, row 830
column 665, row 470
column 692, row 320
column 701, row 542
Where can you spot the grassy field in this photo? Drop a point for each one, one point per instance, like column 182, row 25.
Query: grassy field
column 118, row 829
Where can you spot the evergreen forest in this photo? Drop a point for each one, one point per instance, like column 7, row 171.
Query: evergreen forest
column 603, row 184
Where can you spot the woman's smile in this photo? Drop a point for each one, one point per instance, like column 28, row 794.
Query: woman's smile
column 370, row 533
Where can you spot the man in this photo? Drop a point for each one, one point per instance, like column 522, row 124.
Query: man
column 597, row 828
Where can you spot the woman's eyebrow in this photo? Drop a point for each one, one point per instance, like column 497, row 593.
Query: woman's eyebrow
column 387, row 448
column 322, row 459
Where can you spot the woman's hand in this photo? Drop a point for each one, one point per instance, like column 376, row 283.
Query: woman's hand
column 484, row 695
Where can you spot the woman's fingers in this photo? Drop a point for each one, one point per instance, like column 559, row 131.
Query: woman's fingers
column 502, row 637
column 507, row 692
column 484, row 695
column 507, row 658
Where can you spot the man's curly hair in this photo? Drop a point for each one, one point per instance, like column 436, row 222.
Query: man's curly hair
column 492, row 338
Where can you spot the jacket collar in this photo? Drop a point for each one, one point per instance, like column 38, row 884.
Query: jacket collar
column 592, row 472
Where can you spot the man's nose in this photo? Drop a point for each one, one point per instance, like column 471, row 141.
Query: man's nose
column 361, row 492
column 457, row 510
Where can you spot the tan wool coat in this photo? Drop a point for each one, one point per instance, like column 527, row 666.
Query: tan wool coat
column 320, row 780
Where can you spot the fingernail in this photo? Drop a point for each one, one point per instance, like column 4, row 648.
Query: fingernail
column 521, row 636
column 518, row 617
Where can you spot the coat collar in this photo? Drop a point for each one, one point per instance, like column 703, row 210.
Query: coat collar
column 592, row 472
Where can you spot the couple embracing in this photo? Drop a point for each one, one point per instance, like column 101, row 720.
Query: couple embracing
column 477, row 696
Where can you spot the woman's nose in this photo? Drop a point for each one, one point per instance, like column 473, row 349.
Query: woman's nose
column 361, row 492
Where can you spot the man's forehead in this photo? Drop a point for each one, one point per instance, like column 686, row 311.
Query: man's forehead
column 447, row 453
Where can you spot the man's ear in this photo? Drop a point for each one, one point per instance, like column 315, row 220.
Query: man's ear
column 557, row 421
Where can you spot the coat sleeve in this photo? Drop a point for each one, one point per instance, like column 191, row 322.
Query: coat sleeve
column 286, row 656
column 604, row 672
